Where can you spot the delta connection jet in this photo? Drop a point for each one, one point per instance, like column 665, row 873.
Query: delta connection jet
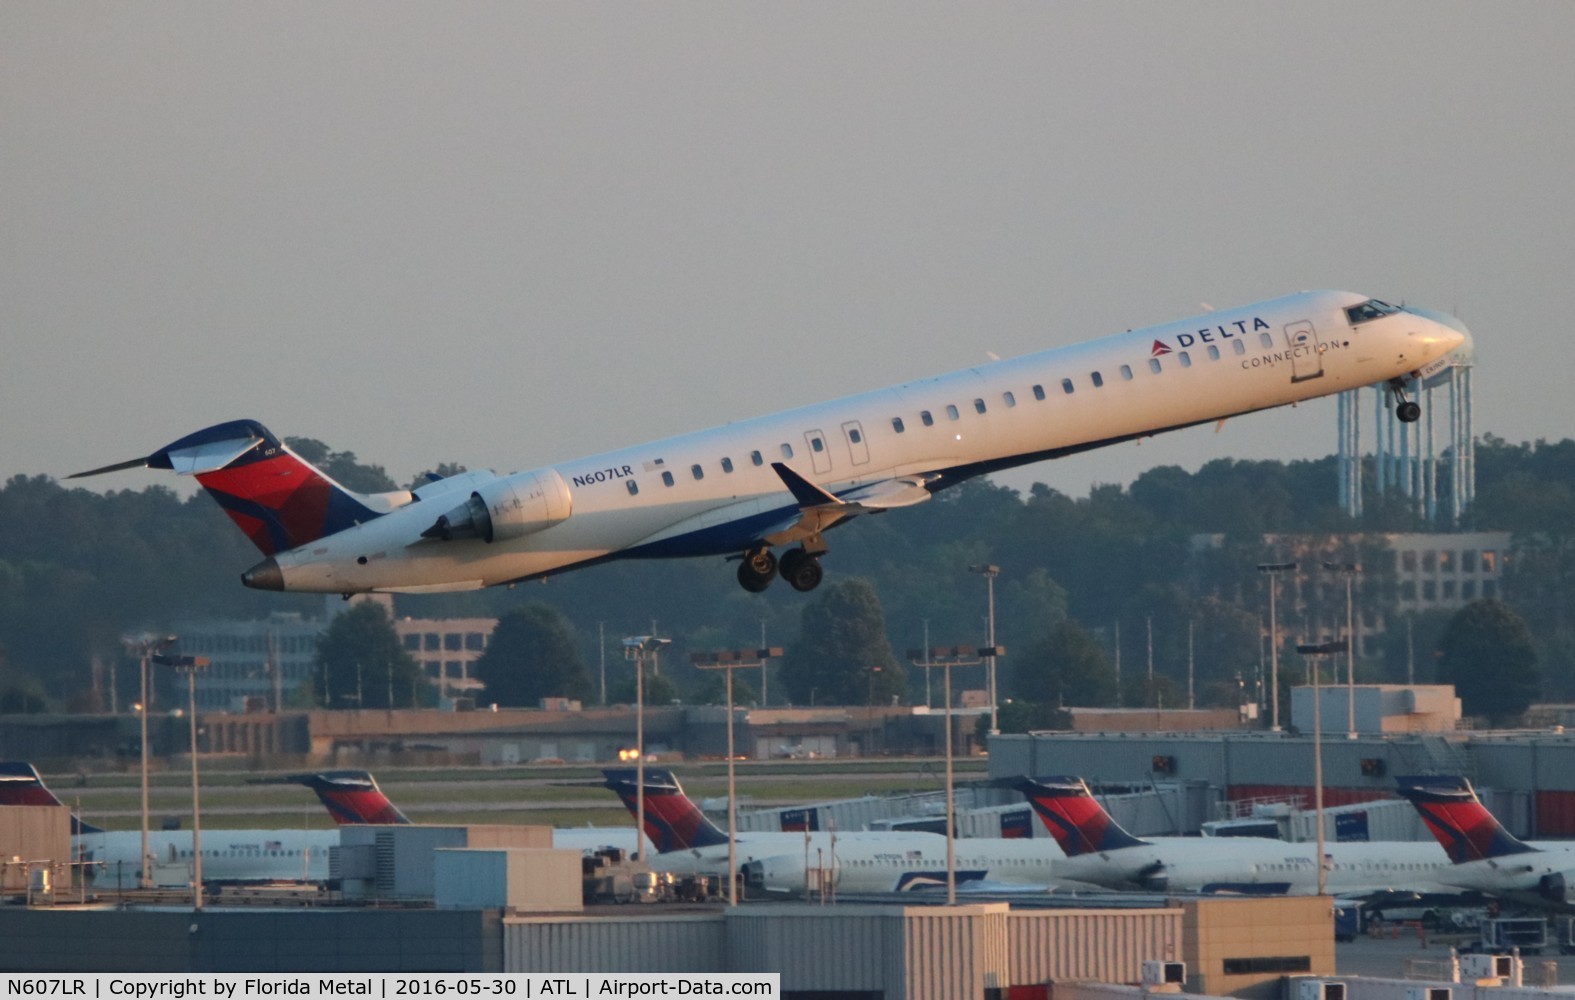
column 353, row 797
column 857, row 861
column 1484, row 855
column 113, row 858
column 1099, row 851
column 777, row 484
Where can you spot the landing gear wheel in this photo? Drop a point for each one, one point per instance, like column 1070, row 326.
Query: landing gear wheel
column 801, row 570
column 1408, row 412
column 757, row 570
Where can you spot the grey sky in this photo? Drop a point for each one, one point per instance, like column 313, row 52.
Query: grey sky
column 508, row 234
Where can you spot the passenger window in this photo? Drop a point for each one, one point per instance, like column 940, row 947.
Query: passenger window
column 1097, row 378
column 978, row 406
column 667, row 478
column 699, row 473
column 1265, row 340
column 929, row 421
column 787, row 450
column 756, row 458
column 1039, row 392
column 727, row 465
column 1186, row 359
column 1066, row 386
column 951, row 411
column 896, row 424
column 1153, row 365
column 1009, row 399
column 1238, row 347
column 1126, row 372
column 1214, row 353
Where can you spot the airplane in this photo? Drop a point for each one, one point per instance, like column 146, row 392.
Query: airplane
column 113, row 858
column 1099, row 851
column 857, row 861
column 353, row 797
column 780, row 482
column 1485, row 855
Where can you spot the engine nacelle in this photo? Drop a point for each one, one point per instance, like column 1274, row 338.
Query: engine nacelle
column 1553, row 887
column 508, row 508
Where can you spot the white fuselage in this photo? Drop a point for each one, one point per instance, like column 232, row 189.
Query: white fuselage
column 227, row 856
column 1271, row 867
column 897, row 866
column 714, row 491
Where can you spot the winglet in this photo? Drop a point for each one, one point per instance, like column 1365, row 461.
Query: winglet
column 805, row 492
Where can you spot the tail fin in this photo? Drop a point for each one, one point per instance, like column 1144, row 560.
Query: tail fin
column 21, row 785
column 1074, row 817
column 351, row 797
column 273, row 495
column 672, row 821
column 1453, row 813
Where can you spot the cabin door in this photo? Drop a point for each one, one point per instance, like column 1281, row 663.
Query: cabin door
column 1306, row 351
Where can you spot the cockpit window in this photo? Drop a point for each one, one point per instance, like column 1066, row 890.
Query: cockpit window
column 1370, row 310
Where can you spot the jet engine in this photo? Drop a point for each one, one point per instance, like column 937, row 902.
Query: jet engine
column 1552, row 887
column 507, row 508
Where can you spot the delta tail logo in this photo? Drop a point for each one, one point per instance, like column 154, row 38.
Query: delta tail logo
column 1160, row 347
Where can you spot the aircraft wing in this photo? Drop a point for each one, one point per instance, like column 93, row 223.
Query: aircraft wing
column 819, row 510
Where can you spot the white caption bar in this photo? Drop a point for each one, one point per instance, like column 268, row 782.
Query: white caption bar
column 417, row 986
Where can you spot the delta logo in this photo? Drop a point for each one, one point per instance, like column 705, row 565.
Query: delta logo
column 1160, row 347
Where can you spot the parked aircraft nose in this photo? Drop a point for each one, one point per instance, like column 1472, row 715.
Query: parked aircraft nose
column 266, row 575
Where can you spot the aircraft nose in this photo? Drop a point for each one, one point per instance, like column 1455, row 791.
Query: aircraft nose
column 1451, row 335
column 266, row 575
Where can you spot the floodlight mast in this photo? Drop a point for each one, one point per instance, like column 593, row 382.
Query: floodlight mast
column 143, row 647
column 638, row 648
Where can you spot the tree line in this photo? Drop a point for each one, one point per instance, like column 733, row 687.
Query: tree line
column 1079, row 578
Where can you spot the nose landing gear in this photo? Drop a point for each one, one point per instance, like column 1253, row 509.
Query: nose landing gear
column 1405, row 409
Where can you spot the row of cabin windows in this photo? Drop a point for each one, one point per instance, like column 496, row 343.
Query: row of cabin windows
column 1067, row 386
column 755, row 457
column 952, row 413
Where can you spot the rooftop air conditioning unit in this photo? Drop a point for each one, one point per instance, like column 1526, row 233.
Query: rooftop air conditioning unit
column 1164, row 976
column 1507, row 968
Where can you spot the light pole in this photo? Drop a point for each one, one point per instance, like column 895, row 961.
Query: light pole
column 637, row 648
column 990, row 573
column 1274, row 570
column 729, row 661
column 145, row 646
column 947, row 657
column 1312, row 651
column 1349, row 571
column 190, row 665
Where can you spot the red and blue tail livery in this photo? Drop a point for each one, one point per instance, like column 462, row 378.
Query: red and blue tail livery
column 21, row 785
column 351, row 797
column 1457, row 818
column 1073, row 816
column 273, row 495
column 672, row 821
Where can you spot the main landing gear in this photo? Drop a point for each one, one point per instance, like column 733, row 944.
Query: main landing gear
column 799, row 567
column 1407, row 410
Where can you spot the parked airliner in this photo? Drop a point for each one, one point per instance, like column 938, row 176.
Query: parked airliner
column 780, row 482
column 1100, row 851
column 353, row 797
column 1485, row 855
column 113, row 858
column 854, row 861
